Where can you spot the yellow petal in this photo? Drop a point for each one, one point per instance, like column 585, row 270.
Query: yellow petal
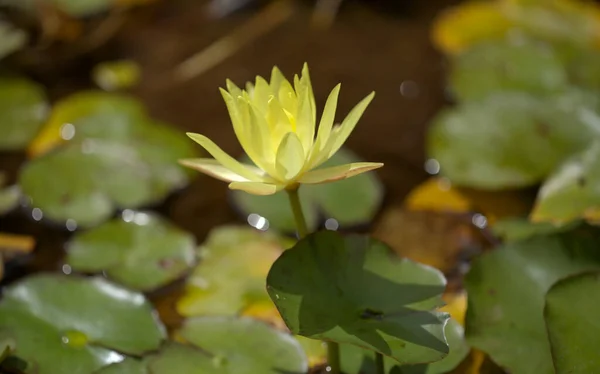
column 326, row 120
column 311, row 94
column 262, row 92
column 259, row 139
column 290, row 157
column 213, row 168
column 287, row 97
column 234, row 90
column 349, row 123
column 336, row 173
column 277, row 78
column 255, row 188
column 305, row 124
column 223, row 158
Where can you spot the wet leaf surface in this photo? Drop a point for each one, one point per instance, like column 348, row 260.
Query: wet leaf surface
column 571, row 192
column 349, row 202
column 23, row 108
column 506, row 291
column 69, row 324
column 140, row 250
column 230, row 278
column 572, row 323
column 115, row 158
column 335, row 288
column 241, row 346
column 511, row 140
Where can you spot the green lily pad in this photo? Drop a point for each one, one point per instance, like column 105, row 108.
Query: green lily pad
column 74, row 8
column 139, row 250
column 231, row 274
column 573, row 325
column 182, row 359
column 458, row 352
column 356, row 360
column 242, row 346
column 88, row 178
column 354, row 290
column 517, row 229
column 23, row 109
column 76, row 325
column 11, row 39
column 572, row 192
column 350, row 202
column 506, row 291
column 507, row 65
column 511, row 140
column 127, row 366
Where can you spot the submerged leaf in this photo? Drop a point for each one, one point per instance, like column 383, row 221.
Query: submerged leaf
column 63, row 325
column 353, row 290
column 506, row 291
column 140, row 250
column 573, row 325
column 230, row 276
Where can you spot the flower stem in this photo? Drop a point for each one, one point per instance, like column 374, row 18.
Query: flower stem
column 379, row 364
column 333, row 357
column 298, row 214
column 333, row 349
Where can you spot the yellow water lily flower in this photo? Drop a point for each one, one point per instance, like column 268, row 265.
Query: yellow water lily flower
column 275, row 124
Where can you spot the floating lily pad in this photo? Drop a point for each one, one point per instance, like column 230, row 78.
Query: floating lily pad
column 23, row 109
column 511, row 140
column 517, row 229
column 573, row 324
column 506, row 291
column 354, row 290
column 356, row 360
column 244, row 346
column 86, row 180
column 127, row 366
column 95, row 114
column 231, row 274
column 351, row 201
column 528, row 66
column 572, row 192
column 76, row 325
column 140, row 250
column 11, row 39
